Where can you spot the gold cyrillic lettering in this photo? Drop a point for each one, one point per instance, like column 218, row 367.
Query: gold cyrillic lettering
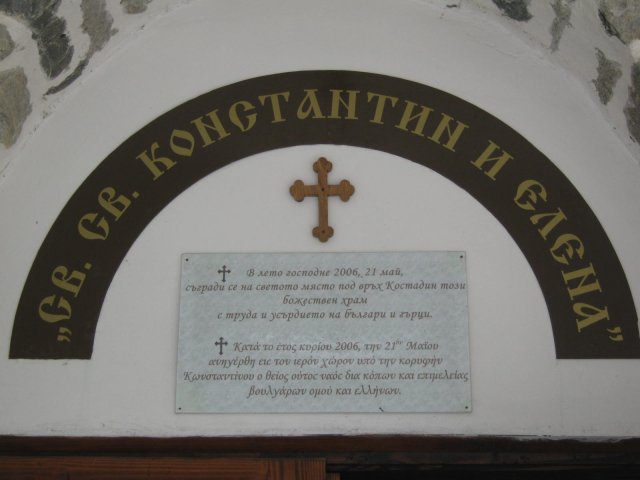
column 556, row 218
column 589, row 314
column 237, row 121
column 153, row 162
column 72, row 283
column 583, row 275
column 309, row 105
column 274, row 100
column 63, row 309
column 534, row 190
column 89, row 220
column 443, row 127
column 115, row 207
column 381, row 101
column 408, row 116
column 183, row 151
column 617, row 334
column 571, row 245
column 215, row 125
column 500, row 160
column 349, row 104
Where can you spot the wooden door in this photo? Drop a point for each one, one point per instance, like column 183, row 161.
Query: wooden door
column 162, row 468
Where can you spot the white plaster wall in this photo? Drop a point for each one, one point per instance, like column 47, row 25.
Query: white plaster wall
column 128, row 388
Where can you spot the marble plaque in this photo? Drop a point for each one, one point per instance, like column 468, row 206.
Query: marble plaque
column 323, row 332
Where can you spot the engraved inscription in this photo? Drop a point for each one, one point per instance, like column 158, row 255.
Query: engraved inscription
column 333, row 332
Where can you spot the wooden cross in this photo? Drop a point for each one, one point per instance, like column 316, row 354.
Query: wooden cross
column 344, row 190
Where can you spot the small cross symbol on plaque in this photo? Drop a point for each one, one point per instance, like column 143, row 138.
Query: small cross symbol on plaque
column 221, row 343
column 344, row 190
column 224, row 272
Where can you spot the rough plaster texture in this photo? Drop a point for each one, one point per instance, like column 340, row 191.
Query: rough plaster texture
column 14, row 104
column 609, row 72
column 621, row 18
column 48, row 30
column 55, row 42
column 515, row 9
column 586, row 38
column 6, row 43
column 591, row 39
column 562, row 10
column 96, row 23
column 632, row 109
column 135, row 6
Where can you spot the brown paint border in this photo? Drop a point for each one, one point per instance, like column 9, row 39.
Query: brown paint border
column 348, row 452
column 34, row 338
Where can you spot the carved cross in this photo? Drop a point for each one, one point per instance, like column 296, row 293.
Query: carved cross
column 344, row 190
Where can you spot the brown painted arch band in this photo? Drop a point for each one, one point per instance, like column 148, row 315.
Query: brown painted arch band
column 589, row 300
